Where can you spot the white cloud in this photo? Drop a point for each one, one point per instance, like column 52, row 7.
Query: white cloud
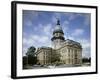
column 30, row 14
column 39, row 28
column 55, row 17
column 28, row 41
column 71, row 16
column 44, row 39
column 35, row 40
column 65, row 26
column 47, row 29
column 77, row 32
column 87, row 19
column 24, row 50
column 28, row 23
column 40, row 39
column 72, row 38
column 86, row 52
column 86, row 45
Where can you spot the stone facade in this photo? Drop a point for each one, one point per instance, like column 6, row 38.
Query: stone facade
column 70, row 51
column 44, row 55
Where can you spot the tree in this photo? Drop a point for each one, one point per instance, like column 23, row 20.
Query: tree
column 24, row 60
column 31, row 58
column 85, row 60
column 31, row 51
column 89, row 59
column 55, row 58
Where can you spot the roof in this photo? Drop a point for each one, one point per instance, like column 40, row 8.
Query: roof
column 71, row 43
column 44, row 47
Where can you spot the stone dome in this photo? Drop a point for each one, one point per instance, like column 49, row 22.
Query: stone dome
column 58, row 28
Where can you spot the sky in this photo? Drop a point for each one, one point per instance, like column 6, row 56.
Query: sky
column 38, row 28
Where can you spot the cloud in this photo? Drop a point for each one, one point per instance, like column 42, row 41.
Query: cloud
column 71, row 16
column 27, row 42
column 24, row 51
column 40, row 34
column 72, row 38
column 87, row 19
column 65, row 24
column 86, row 52
column 54, row 19
column 35, row 40
column 43, row 29
column 86, row 45
column 56, row 16
column 77, row 32
column 28, row 23
column 39, row 39
column 47, row 29
column 30, row 14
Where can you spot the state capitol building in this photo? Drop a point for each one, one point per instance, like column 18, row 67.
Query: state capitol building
column 70, row 51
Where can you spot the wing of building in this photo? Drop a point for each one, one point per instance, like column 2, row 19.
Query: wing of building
column 70, row 51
